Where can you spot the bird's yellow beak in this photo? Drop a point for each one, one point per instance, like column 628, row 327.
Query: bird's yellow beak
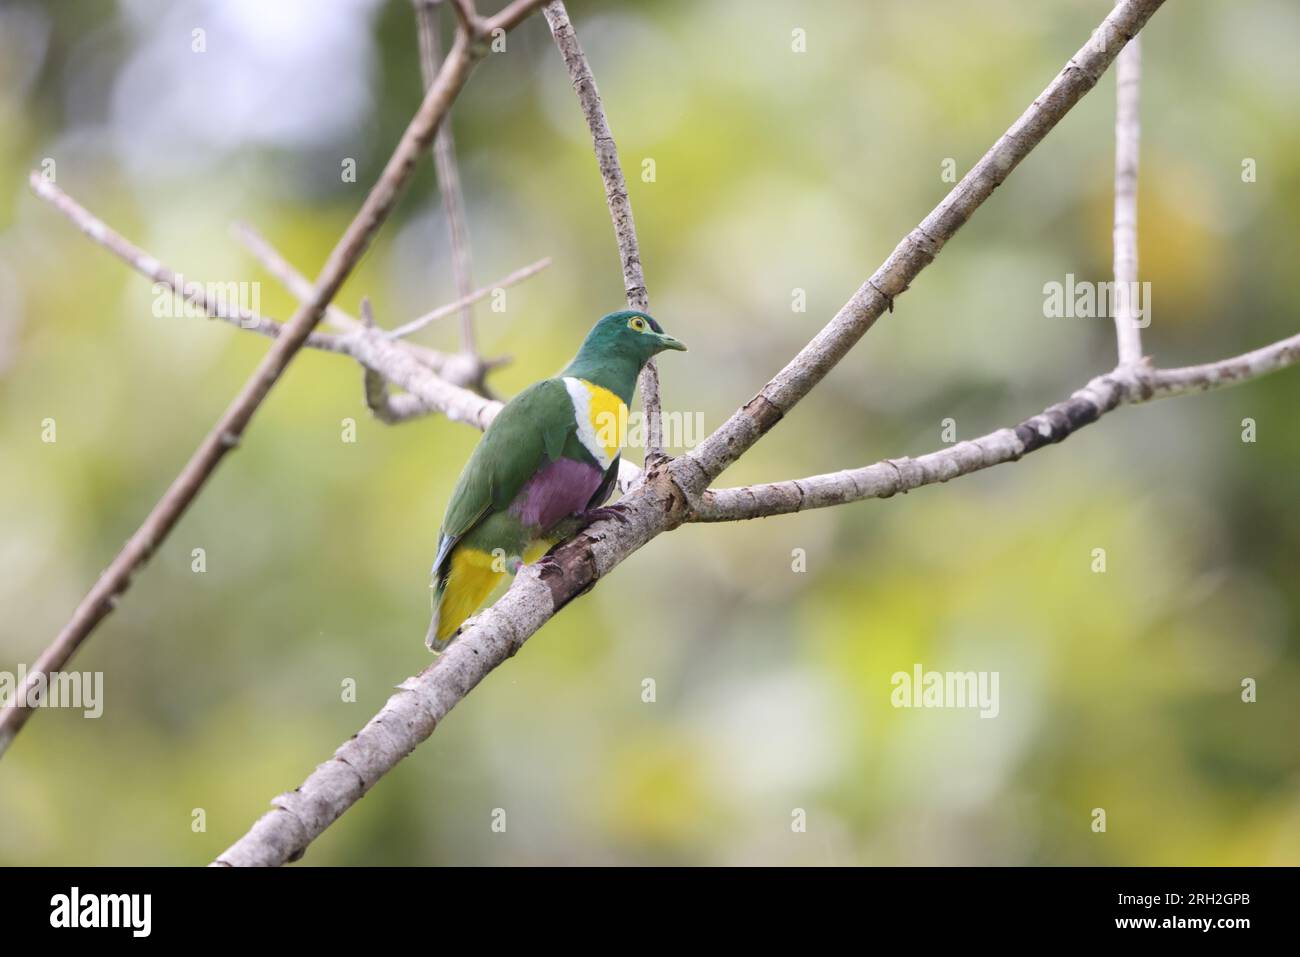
column 668, row 342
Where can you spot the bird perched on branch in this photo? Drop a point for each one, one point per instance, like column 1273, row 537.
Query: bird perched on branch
column 550, row 455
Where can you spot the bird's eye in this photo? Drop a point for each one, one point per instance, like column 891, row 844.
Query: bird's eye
column 637, row 323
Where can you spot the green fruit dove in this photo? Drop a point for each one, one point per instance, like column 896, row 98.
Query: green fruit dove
column 551, row 454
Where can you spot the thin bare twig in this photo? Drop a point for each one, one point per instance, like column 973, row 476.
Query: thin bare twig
column 229, row 429
column 457, row 369
column 444, row 155
column 1184, row 380
column 432, row 379
column 505, row 282
column 453, row 368
column 190, row 291
column 375, row 389
column 290, row 278
column 1127, row 385
column 509, row 17
column 616, row 198
column 1128, row 75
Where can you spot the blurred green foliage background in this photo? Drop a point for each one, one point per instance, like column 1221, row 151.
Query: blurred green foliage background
column 775, row 170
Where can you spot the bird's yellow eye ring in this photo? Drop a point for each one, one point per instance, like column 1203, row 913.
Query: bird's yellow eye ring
column 637, row 323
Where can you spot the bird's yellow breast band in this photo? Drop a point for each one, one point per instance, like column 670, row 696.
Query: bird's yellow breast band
column 601, row 418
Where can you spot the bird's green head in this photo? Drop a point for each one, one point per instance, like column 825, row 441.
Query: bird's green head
column 616, row 349
column 630, row 333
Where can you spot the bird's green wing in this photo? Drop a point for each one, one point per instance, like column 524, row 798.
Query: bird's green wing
column 532, row 429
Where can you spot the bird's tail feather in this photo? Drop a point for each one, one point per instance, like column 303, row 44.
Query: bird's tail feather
column 469, row 579
column 431, row 637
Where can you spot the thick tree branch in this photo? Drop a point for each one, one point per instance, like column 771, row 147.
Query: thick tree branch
column 421, row 702
column 616, row 198
column 918, row 249
column 1127, row 385
column 657, row 504
column 1128, row 74
column 229, row 429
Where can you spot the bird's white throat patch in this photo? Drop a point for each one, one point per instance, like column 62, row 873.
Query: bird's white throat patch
column 601, row 418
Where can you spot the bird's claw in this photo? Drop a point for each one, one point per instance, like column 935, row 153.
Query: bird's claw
column 593, row 515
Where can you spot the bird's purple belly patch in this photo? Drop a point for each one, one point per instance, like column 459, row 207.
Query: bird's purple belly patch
column 559, row 489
